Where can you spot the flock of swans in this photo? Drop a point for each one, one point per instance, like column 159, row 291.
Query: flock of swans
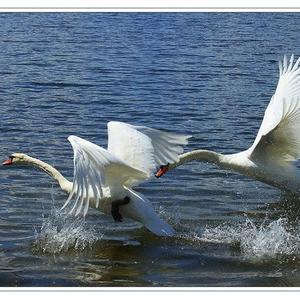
column 105, row 178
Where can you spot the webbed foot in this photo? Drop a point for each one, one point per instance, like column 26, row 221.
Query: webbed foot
column 115, row 208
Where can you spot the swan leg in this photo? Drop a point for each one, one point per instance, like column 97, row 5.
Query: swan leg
column 115, row 208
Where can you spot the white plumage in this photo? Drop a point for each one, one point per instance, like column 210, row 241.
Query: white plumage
column 133, row 154
column 277, row 145
column 278, row 139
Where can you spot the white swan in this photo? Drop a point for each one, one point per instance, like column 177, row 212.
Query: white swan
column 277, row 145
column 104, row 178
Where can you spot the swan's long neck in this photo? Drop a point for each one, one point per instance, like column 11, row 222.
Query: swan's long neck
column 198, row 155
column 63, row 182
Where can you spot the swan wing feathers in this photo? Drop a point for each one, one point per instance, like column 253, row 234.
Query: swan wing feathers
column 142, row 147
column 94, row 169
column 278, row 139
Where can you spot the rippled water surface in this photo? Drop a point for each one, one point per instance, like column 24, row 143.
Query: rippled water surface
column 206, row 74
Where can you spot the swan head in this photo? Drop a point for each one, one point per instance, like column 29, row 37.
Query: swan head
column 162, row 170
column 15, row 158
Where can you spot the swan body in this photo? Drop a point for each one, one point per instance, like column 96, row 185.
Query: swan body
column 103, row 176
column 277, row 144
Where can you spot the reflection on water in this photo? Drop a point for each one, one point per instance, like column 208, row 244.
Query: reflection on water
column 119, row 261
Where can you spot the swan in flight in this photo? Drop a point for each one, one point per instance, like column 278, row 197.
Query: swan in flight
column 104, row 178
column 277, row 144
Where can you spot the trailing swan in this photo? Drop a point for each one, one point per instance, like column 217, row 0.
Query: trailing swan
column 277, row 144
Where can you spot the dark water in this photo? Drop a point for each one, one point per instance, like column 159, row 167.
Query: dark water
column 208, row 74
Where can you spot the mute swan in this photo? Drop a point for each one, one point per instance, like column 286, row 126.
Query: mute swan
column 104, row 178
column 277, row 144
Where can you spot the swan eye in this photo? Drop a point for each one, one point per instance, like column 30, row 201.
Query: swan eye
column 11, row 157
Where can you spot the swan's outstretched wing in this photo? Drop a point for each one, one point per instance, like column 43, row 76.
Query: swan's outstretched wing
column 144, row 148
column 278, row 139
column 94, row 169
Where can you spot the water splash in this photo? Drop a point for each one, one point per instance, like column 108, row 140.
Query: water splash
column 170, row 216
column 270, row 239
column 61, row 232
column 256, row 241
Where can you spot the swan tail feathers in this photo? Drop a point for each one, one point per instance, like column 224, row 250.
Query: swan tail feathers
column 159, row 227
column 141, row 210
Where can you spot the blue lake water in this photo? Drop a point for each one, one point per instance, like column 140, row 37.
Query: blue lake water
column 206, row 74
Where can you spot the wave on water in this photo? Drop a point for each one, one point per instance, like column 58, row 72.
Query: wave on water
column 270, row 239
column 61, row 232
column 267, row 240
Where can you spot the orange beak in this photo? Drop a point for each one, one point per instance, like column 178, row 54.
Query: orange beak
column 162, row 170
column 8, row 162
